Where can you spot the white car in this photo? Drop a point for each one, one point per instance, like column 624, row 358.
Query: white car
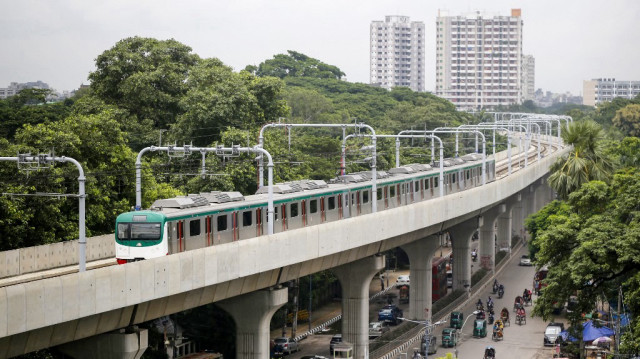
column 525, row 260
column 376, row 329
column 403, row 279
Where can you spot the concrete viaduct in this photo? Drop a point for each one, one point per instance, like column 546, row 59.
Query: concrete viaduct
column 86, row 312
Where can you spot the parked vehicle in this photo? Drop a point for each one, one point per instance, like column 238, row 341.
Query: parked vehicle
column 456, row 320
column 525, row 261
column 288, row 344
column 376, row 329
column 403, row 279
column 449, row 337
column 390, row 314
column 552, row 334
column 449, row 279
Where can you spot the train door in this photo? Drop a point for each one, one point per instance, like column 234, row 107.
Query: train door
column 358, row 205
column 180, row 236
column 323, row 214
column 399, row 195
column 259, row 230
column 421, row 184
column 386, row 197
column 340, row 206
column 223, row 230
column 410, row 189
column 314, row 213
column 283, row 207
column 303, row 214
column 207, row 229
column 295, row 218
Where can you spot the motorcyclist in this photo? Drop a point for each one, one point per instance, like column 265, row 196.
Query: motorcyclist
column 495, row 285
column 491, row 317
column 500, row 291
column 490, row 303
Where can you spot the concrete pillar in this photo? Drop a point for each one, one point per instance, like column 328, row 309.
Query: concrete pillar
column 542, row 195
column 420, row 255
column 252, row 313
column 355, row 278
column 505, row 227
column 517, row 216
column 461, row 243
column 124, row 344
column 487, row 237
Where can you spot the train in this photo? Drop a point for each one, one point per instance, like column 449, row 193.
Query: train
column 206, row 219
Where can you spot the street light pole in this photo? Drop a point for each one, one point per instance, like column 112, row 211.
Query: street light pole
column 475, row 312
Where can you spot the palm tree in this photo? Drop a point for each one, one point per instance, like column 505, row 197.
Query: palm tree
column 586, row 162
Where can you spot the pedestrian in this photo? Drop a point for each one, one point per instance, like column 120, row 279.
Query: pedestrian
column 381, row 284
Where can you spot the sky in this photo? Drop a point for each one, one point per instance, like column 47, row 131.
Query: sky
column 57, row 41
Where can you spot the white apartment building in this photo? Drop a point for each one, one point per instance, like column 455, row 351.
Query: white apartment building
column 397, row 53
column 479, row 59
column 528, row 77
column 606, row 89
column 12, row 90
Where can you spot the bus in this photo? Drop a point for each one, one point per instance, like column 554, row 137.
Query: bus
column 438, row 278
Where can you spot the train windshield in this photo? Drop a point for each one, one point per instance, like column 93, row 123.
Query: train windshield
column 139, row 231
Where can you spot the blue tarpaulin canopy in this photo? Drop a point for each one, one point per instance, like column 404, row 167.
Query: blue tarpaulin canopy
column 589, row 332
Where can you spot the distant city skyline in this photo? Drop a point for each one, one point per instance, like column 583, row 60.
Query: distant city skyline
column 57, row 42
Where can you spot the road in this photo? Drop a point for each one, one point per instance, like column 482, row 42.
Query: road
column 522, row 342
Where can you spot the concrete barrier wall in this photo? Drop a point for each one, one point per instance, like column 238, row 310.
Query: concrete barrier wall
column 32, row 259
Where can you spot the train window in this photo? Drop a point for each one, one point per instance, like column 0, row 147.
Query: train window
column 194, row 228
column 453, row 178
column 392, row 191
column 435, row 181
column 275, row 213
column 332, row 203
column 313, row 206
column 222, row 223
column 365, row 196
column 467, row 174
column 379, row 193
column 293, row 210
column 416, row 186
column 247, row 218
column 426, row 183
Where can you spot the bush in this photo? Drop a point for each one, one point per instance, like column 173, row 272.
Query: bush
column 477, row 276
column 443, row 302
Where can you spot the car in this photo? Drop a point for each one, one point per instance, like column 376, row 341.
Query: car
column 449, row 279
column 390, row 314
column 552, row 334
column 334, row 340
column 525, row 261
column 572, row 303
column 403, row 279
column 376, row 329
column 313, row 357
column 432, row 348
column 288, row 344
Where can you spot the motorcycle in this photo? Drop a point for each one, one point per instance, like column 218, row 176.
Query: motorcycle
column 474, row 255
column 500, row 291
column 491, row 317
column 495, row 286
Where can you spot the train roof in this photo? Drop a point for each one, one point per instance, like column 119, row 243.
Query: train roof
column 193, row 204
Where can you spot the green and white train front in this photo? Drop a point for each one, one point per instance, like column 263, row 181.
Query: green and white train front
column 140, row 235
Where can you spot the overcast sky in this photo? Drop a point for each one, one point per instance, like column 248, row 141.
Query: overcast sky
column 57, row 41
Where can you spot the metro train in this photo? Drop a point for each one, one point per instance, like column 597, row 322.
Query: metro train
column 206, row 219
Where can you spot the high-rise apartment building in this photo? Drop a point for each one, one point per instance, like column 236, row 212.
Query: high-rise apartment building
column 397, row 53
column 597, row 91
column 528, row 77
column 479, row 59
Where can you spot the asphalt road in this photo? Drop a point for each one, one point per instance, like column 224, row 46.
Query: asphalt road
column 520, row 341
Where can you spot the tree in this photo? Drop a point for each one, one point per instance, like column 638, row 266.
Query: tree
column 218, row 98
column 627, row 119
column 296, row 64
column 584, row 163
column 592, row 247
column 145, row 76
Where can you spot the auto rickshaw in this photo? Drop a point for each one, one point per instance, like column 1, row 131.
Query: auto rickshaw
column 449, row 337
column 504, row 316
column 479, row 328
column 456, row 320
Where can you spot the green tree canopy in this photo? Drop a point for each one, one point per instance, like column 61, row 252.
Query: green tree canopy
column 145, row 76
column 296, row 64
column 591, row 245
column 627, row 119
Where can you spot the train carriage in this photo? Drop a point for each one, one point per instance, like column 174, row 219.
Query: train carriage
column 196, row 221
